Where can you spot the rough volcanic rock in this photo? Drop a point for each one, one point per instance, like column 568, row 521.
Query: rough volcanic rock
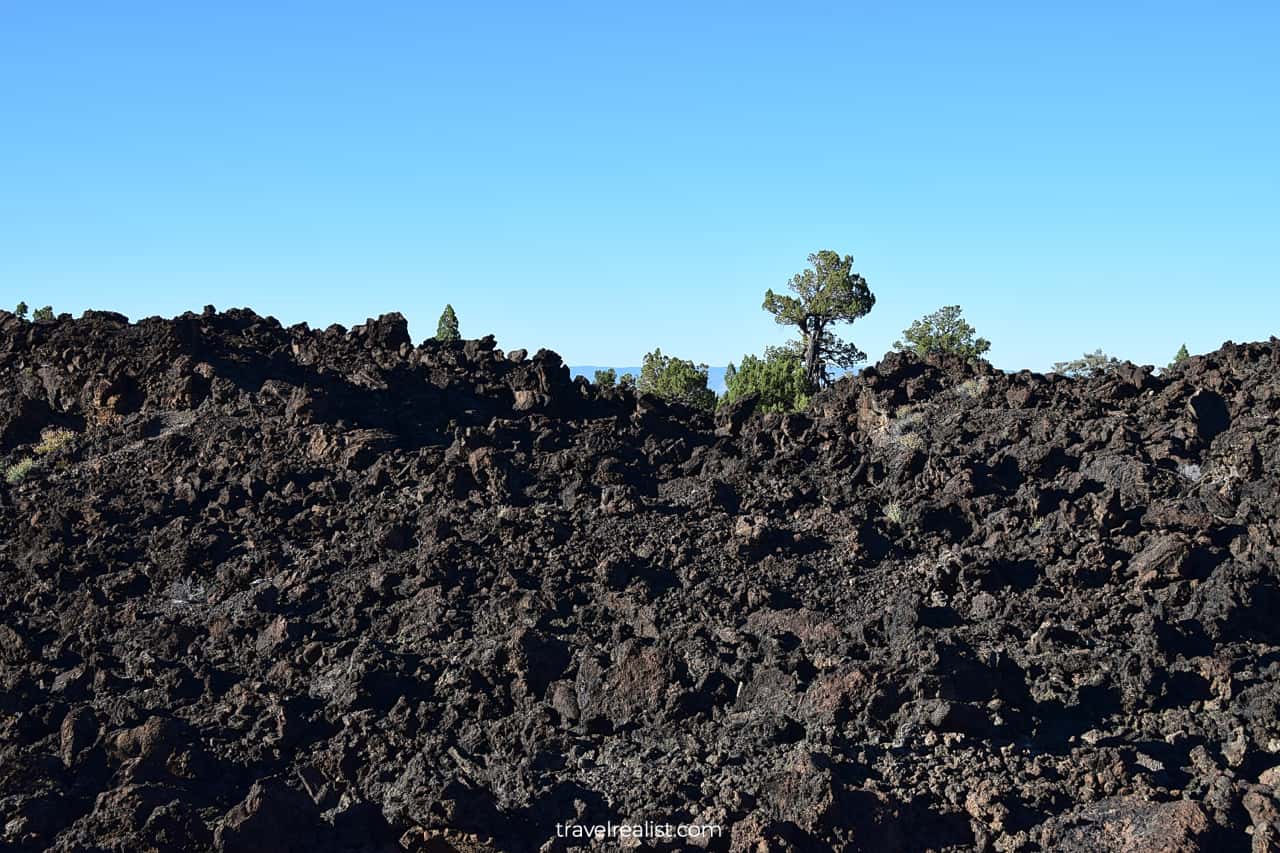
column 278, row 588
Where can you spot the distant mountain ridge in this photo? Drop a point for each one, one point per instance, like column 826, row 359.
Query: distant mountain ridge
column 715, row 375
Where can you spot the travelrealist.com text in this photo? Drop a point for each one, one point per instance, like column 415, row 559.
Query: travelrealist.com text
column 643, row 830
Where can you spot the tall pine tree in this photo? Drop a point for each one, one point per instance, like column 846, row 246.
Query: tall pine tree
column 827, row 293
column 447, row 328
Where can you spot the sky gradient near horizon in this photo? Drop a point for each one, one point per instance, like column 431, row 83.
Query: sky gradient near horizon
column 604, row 179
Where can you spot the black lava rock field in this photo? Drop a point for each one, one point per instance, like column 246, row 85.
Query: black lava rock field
column 270, row 589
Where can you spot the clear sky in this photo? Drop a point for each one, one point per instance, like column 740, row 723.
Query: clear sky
column 602, row 178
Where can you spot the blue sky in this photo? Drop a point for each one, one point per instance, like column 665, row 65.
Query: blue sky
column 603, row 178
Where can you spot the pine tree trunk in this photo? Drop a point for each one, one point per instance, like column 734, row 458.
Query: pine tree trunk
column 812, row 336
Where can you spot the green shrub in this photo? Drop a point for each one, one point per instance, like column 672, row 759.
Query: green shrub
column 910, row 441
column 607, row 378
column 21, row 311
column 18, row 471
column 907, row 418
column 45, row 313
column 893, row 512
column 677, row 380
column 944, row 332
column 778, row 379
column 902, row 431
column 971, row 388
column 52, row 439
